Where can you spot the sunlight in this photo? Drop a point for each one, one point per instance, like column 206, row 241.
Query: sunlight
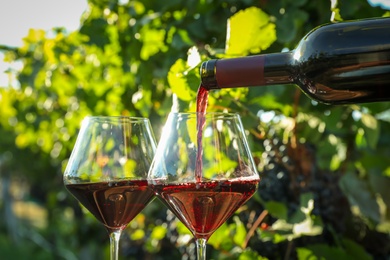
column 17, row 18
column 382, row 3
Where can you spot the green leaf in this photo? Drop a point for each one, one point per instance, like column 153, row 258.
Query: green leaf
column 268, row 98
column 180, row 80
column 220, row 163
column 306, row 206
column 387, row 172
column 299, row 2
column 158, row 232
column 153, row 40
column 307, row 202
column 289, row 24
column 109, row 145
column 359, row 138
column 240, row 231
column 321, row 252
column 249, row 31
column 221, row 238
column 137, row 234
column 271, row 235
column 129, row 168
column 301, row 223
column 355, row 250
column 381, row 185
column 250, row 255
column 307, row 227
column 360, row 194
column 282, row 226
column 277, row 209
column 371, row 129
column 182, row 229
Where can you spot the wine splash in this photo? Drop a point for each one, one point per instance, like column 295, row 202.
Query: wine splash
column 201, row 107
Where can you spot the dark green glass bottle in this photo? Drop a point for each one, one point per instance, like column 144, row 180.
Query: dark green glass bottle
column 340, row 63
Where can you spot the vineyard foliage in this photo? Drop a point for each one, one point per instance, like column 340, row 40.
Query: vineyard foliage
column 325, row 169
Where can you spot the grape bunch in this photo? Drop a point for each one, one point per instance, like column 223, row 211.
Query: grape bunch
column 290, row 170
column 330, row 202
column 276, row 174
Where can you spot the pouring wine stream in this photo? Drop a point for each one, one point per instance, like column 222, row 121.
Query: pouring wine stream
column 201, row 107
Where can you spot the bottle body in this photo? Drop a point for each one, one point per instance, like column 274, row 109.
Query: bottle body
column 347, row 62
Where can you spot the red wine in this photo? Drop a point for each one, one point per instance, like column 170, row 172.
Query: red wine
column 340, row 63
column 114, row 204
column 204, row 206
column 202, row 100
column 201, row 107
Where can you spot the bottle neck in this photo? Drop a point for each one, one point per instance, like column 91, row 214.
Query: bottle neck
column 278, row 68
column 258, row 70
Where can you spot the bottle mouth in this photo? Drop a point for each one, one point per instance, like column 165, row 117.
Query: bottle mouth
column 207, row 74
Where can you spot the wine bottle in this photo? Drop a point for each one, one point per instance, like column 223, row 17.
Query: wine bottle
column 339, row 63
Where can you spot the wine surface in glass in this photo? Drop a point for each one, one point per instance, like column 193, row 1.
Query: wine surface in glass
column 114, row 204
column 204, row 206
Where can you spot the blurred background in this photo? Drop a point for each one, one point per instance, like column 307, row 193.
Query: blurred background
column 325, row 169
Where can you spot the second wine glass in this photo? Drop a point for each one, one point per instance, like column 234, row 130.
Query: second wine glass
column 203, row 171
column 107, row 171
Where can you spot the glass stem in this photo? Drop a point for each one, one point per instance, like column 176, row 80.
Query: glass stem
column 201, row 248
column 114, row 244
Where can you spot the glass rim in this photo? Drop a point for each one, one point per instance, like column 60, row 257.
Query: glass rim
column 131, row 119
column 207, row 114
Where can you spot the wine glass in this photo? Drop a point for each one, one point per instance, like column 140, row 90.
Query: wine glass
column 107, row 171
column 203, row 171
